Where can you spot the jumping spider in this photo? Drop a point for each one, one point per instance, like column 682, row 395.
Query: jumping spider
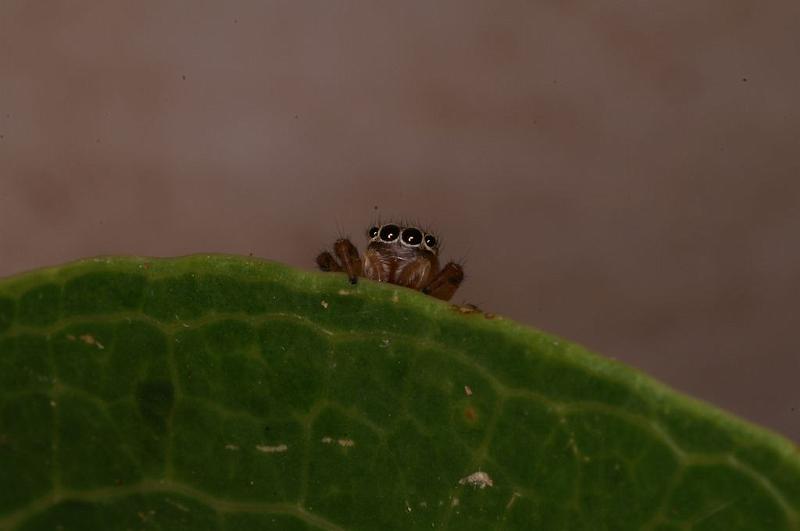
column 406, row 256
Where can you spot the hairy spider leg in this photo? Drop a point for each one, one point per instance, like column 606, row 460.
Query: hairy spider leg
column 446, row 282
column 347, row 254
column 326, row 262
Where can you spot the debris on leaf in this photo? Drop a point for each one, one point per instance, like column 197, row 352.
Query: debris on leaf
column 344, row 443
column 271, row 449
column 514, row 497
column 90, row 340
column 478, row 479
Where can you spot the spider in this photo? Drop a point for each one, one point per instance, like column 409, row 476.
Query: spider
column 406, row 256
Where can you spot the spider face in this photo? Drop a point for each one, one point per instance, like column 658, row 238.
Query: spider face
column 406, row 236
column 406, row 256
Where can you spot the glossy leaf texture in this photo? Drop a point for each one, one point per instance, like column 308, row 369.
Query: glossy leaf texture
column 226, row 393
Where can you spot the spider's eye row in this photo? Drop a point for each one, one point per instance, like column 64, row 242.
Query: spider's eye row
column 412, row 237
column 373, row 232
column 430, row 241
column 389, row 233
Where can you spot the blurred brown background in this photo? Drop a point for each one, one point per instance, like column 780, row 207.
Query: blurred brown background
column 623, row 174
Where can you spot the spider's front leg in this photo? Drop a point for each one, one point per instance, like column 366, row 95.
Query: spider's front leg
column 445, row 283
column 349, row 260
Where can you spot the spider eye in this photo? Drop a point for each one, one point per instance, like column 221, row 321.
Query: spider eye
column 373, row 232
column 430, row 241
column 411, row 237
column 389, row 233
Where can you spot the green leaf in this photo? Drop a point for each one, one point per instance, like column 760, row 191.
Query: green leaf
column 215, row 392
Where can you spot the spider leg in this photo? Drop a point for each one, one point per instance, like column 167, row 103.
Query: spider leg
column 326, row 262
column 445, row 283
column 347, row 254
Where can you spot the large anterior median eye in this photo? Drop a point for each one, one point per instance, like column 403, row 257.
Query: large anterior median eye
column 389, row 233
column 411, row 237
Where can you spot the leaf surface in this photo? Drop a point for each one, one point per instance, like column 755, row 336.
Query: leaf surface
column 218, row 392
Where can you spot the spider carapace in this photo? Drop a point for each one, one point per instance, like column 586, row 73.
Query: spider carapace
column 406, row 256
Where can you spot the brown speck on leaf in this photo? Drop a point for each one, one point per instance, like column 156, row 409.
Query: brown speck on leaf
column 466, row 309
column 470, row 414
column 471, row 309
column 146, row 516
column 90, row 340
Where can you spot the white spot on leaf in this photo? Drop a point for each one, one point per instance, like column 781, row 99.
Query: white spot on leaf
column 478, row 480
column 178, row 505
column 344, row 443
column 272, row 449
